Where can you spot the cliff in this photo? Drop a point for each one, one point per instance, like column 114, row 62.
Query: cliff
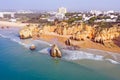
column 74, row 32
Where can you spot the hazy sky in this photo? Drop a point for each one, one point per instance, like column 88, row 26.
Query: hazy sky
column 54, row 4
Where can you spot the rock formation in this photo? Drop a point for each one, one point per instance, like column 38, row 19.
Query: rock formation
column 32, row 47
column 55, row 52
column 68, row 42
column 27, row 32
column 107, row 34
column 73, row 31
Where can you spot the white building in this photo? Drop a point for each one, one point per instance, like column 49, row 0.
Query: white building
column 12, row 20
column 62, row 10
column 51, row 19
column 1, row 15
column 96, row 12
column 60, row 16
column 8, row 13
column 24, row 12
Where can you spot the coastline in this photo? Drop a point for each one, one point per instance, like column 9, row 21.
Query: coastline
column 70, row 52
column 60, row 39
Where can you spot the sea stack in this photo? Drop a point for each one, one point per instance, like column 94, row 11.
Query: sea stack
column 68, row 42
column 55, row 52
column 32, row 47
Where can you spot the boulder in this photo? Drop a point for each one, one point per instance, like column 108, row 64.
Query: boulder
column 32, row 47
column 68, row 42
column 25, row 33
column 55, row 52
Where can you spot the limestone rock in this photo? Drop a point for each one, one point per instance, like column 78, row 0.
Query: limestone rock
column 55, row 52
column 27, row 32
column 107, row 34
column 68, row 42
column 32, row 47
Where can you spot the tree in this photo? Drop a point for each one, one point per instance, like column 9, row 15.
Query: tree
column 79, row 18
column 70, row 20
column 92, row 20
column 105, row 24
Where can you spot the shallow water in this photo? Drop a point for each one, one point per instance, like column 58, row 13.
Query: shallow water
column 17, row 62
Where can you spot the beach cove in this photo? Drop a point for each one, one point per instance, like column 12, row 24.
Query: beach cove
column 75, row 64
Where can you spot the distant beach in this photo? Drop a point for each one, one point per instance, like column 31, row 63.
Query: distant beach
column 12, row 24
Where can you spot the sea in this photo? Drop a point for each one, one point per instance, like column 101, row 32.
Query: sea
column 17, row 62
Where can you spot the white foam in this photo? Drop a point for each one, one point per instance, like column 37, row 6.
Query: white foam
column 45, row 51
column 76, row 55
column 43, row 42
column 3, row 36
column 112, row 61
column 19, row 42
column 13, row 38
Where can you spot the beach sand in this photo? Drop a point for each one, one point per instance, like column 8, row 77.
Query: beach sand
column 12, row 24
column 88, row 44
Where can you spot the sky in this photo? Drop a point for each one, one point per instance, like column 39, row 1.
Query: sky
column 75, row 5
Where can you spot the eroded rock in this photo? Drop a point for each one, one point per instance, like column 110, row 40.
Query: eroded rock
column 55, row 52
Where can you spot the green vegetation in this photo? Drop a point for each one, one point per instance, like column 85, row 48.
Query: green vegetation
column 91, row 20
column 105, row 24
column 73, row 19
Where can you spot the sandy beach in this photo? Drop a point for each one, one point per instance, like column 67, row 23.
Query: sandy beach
column 60, row 40
column 54, row 38
column 12, row 24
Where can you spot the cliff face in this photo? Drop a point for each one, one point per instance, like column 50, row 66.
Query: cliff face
column 28, row 31
column 83, row 33
column 107, row 34
column 75, row 32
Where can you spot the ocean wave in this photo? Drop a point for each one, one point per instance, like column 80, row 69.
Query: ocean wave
column 76, row 55
column 73, row 55
column 3, row 36
column 19, row 42
column 112, row 61
column 13, row 39
column 45, row 50
column 42, row 42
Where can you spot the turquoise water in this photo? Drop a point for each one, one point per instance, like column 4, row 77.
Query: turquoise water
column 19, row 63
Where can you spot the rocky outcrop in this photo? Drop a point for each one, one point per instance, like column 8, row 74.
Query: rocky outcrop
column 107, row 34
column 77, row 32
column 68, row 42
column 84, row 33
column 55, row 52
column 27, row 32
column 32, row 47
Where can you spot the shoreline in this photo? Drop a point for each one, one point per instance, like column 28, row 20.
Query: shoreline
column 89, row 53
column 60, row 39
column 12, row 24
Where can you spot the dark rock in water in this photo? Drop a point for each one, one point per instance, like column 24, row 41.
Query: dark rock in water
column 2, row 27
column 68, row 42
column 32, row 47
column 7, row 26
column 55, row 52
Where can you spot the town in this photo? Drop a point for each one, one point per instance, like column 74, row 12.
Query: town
column 90, row 17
